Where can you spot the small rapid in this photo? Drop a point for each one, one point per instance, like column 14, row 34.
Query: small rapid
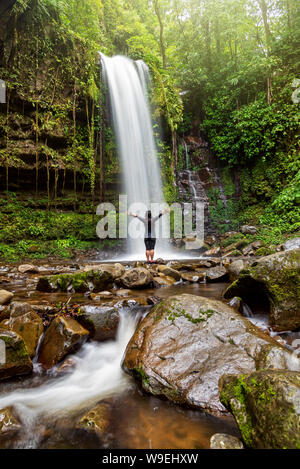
column 96, row 375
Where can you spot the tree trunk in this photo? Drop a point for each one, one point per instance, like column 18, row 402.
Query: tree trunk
column 161, row 33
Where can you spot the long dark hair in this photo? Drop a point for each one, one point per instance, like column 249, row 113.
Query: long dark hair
column 149, row 216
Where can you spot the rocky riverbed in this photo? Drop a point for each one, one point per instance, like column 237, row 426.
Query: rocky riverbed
column 205, row 345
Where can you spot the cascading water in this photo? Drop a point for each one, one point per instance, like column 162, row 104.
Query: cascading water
column 97, row 374
column 127, row 83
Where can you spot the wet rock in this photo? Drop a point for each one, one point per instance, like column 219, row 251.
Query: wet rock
column 17, row 308
column 291, row 244
column 194, row 278
column 102, row 295
column 236, row 303
column 14, row 357
column 236, row 267
column 210, row 240
column 29, row 326
column 9, row 424
column 162, row 281
column 224, row 441
column 80, row 282
column 248, row 229
column 277, row 278
column 67, row 366
column 138, row 277
column 64, row 335
column 160, row 261
column 266, row 406
column 186, row 343
column 101, row 321
column 216, row 274
column 124, row 292
column 256, row 244
column 5, row 297
column 96, row 420
column 248, row 251
column 212, row 252
column 28, row 268
column 153, row 300
column 116, row 270
column 168, row 271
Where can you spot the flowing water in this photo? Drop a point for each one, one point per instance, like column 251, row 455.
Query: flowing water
column 127, row 83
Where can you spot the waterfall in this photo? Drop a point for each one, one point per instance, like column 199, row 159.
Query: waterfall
column 127, row 82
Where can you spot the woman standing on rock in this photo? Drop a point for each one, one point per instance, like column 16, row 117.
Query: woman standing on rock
column 150, row 238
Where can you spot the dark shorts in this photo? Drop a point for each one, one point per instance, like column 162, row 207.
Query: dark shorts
column 149, row 243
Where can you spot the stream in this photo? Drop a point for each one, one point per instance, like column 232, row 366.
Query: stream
column 50, row 403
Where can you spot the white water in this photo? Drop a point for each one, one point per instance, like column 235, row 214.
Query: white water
column 127, row 83
column 97, row 374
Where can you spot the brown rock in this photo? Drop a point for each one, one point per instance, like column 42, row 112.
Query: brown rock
column 186, row 343
column 5, row 297
column 63, row 336
column 169, row 272
column 138, row 277
column 28, row 268
column 9, row 424
column 14, row 358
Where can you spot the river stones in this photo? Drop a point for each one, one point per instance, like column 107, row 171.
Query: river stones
column 96, row 420
column 168, row 271
column 193, row 277
column 27, row 324
column 291, row 244
column 216, row 274
column 64, row 335
column 186, row 343
column 138, row 277
column 102, row 322
column 81, row 282
column 248, row 229
column 9, row 423
column 116, row 270
column 28, row 268
column 224, row 441
column 277, row 278
column 5, row 297
column 14, row 357
column 266, row 406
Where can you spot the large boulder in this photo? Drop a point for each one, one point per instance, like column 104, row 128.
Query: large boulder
column 14, row 357
column 187, row 342
column 139, row 277
column 275, row 278
column 116, row 270
column 266, row 406
column 5, row 297
column 92, row 280
column 102, row 322
column 63, row 336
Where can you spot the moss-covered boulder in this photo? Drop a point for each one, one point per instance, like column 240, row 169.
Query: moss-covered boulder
column 275, row 278
column 63, row 336
column 187, row 342
column 116, row 270
column 92, row 280
column 14, row 357
column 266, row 406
